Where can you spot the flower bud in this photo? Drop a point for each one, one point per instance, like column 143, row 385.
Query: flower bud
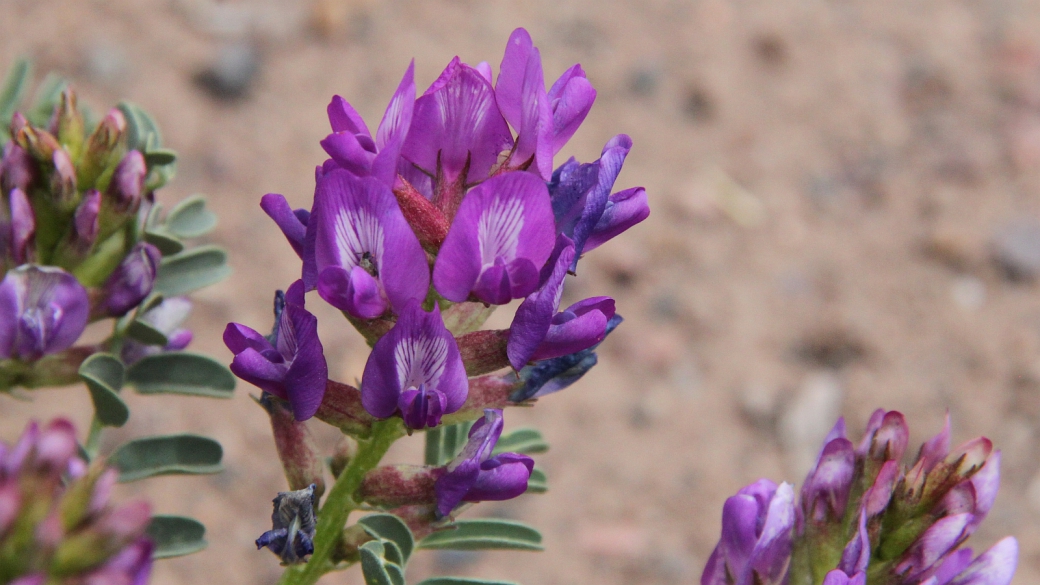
column 132, row 280
column 103, row 147
column 82, row 233
column 69, row 123
column 127, row 184
column 63, row 193
column 40, row 144
column 22, row 229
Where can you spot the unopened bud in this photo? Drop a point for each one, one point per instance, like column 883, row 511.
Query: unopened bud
column 132, row 280
column 63, row 181
column 69, row 122
column 124, row 190
column 39, row 143
column 23, row 229
column 103, row 148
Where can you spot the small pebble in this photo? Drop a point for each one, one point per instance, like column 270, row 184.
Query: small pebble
column 1016, row 247
column 232, row 73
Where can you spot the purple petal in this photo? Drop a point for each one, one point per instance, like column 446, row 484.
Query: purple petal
column 933, row 545
column 742, row 519
column 356, row 292
column 418, row 352
column 580, row 326
column 23, row 226
column 422, row 408
column 393, row 129
column 510, row 85
column 464, row 471
column 132, row 280
column 344, row 118
column 994, row 567
column 484, row 68
column 826, row 490
column 308, row 371
column 520, row 94
column 457, row 122
column 772, row 553
column 624, row 209
column 569, row 189
column 876, row 499
column 238, row 338
column 358, row 222
column 534, row 316
column 986, row 483
column 295, row 230
column 349, row 152
column 570, row 98
column 258, row 369
column 506, row 222
column 502, row 477
column 610, row 161
column 43, row 310
column 856, row 556
column 839, row 577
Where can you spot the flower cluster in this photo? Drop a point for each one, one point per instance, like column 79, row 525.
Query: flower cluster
column 417, row 232
column 56, row 522
column 865, row 518
column 79, row 230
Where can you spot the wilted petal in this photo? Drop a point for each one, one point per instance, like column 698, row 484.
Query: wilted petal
column 358, row 224
column 501, row 237
column 417, row 360
column 457, row 124
column 43, row 310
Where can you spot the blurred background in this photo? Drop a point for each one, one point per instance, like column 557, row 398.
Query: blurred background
column 846, row 215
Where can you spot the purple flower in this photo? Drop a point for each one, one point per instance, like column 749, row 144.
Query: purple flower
column 521, row 97
column 825, row 493
column 475, row 476
column 293, row 223
column 456, row 135
column 365, row 254
column 132, row 280
column 581, row 193
column 291, row 365
column 43, row 310
column 755, row 548
column 415, row 368
column 499, row 241
column 351, row 145
column 538, row 332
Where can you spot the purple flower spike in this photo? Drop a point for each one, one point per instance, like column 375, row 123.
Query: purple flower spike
column 365, row 254
column 839, row 577
column 292, row 365
column 457, row 130
column 43, row 310
column 416, row 368
column 476, row 476
column 293, row 223
column 501, row 238
column 132, row 280
column 351, row 145
column 624, row 210
column 755, row 547
column 538, row 332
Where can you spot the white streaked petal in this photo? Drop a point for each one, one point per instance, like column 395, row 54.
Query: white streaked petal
column 498, row 230
column 357, row 232
column 420, row 360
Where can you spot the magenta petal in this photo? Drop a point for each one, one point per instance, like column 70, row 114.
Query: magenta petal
column 457, row 120
column 348, row 152
column 624, row 209
column 238, row 338
column 994, row 567
column 571, row 99
column 295, row 230
column 534, row 316
column 772, row 552
column 355, row 292
column 509, row 89
column 579, row 333
column 502, row 477
column 253, row 367
column 393, row 129
column 344, row 118
column 534, row 140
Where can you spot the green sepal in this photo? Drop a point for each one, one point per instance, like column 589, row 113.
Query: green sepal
column 176, row 536
column 168, row 454
column 103, row 374
column 190, row 218
column 391, row 528
column 526, row 440
column 191, row 270
column 485, row 534
column 180, row 372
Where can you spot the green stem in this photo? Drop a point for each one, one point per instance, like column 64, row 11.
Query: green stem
column 93, row 444
column 339, row 502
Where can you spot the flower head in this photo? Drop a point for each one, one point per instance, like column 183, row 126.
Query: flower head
column 291, row 364
column 43, row 310
column 476, row 476
column 416, row 369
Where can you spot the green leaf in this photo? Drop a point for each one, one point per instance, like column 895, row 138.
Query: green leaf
column 392, row 528
column 485, row 534
column 538, row 483
column 375, row 568
column 180, row 372
column 176, row 536
column 191, row 270
column 525, row 440
column 15, row 84
column 103, row 374
column 161, row 455
column 140, row 128
column 167, row 243
column 190, row 218
column 159, row 157
column 463, row 581
column 146, row 333
column 443, row 443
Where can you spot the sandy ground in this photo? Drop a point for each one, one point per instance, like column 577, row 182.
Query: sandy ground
column 828, row 181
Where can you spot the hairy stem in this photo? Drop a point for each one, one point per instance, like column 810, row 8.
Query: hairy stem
column 339, row 503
